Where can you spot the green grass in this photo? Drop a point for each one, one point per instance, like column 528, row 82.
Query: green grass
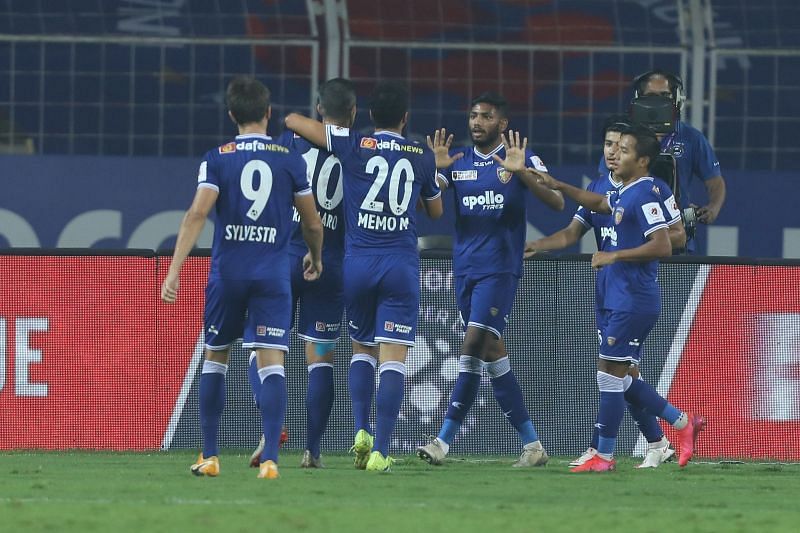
column 99, row 491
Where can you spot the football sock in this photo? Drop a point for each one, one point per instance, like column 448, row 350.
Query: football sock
column 252, row 377
column 509, row 397
column 642, row 395
column 610, row 412
column 273, row 408
column 212, row 401
column 361, row 378
column 319, row 400
column 387, row 404
column 462, row 398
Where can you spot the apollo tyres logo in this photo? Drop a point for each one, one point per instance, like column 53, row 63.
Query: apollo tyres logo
column 489, row 200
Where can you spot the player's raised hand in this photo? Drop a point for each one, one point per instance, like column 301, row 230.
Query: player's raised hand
column 515, row 152
column 312, row 270
column 440, row 145
column 169, row 289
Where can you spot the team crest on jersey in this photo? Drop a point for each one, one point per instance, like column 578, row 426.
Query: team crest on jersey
column 618, row 212
column 677, row 149
column 369, row 143
column 227, row 148
column 503, row 175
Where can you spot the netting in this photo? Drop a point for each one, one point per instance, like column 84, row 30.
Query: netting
column 92, row 359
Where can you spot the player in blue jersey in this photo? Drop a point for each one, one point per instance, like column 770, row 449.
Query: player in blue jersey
column 320, row 303
column 491, row 224
column 694, row 156
column 251, row 183
column 658, row 447
column 384, row 177
column 627, row 288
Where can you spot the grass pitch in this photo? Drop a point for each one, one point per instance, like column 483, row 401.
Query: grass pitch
column 99, row 491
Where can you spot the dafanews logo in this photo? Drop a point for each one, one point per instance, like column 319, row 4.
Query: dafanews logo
column 488, row 200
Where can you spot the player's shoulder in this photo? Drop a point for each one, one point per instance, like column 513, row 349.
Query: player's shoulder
column 660, row 188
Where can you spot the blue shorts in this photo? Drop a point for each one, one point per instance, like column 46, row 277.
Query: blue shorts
column 320, row 302
column 257, row 311
column 623, row 334
column 381, row 295
column 485, row 300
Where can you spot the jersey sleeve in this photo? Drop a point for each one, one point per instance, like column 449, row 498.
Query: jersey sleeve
column 444, row 173
column 705, row 165
column 536, row 161
column 207, row 176
column 672, row 212
column 297, row 170
column 650, row 213
column 341, row 141
column 430, row 188
column 584, row 216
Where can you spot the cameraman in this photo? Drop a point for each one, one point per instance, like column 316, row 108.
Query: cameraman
column 693, row 154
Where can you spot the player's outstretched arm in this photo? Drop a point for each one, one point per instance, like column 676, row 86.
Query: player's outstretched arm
column 440, row 145
column 656, row 247
column 515, row 162
column 589, row 200
column 558, row 240
column 308, row 128
column 311, row 225
column 191, row 226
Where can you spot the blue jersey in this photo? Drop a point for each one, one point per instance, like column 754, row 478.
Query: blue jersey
column 636, row 211
column 694, row 158
column 602, row 224
column 490, row 213
column 324, row 173
column 256, row 179
column 384, row 176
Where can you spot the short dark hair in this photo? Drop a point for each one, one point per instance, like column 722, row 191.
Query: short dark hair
column 616, row 123
column 337, row 98
column 247, row 99
column 388, row 103
column 647, row 144
column 494, row 99
column 641, row 81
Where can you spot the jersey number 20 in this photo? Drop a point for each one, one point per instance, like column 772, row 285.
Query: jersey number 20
column 402, row 169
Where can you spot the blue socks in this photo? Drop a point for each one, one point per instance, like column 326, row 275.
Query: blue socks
column 388, row 402
column 361, row 378
column 252, row 377
column 319, row 401
column 462, row 397
column 212, row 401
column 642, row 395
column 272, row 400
column 609, row 415
column 509, row 397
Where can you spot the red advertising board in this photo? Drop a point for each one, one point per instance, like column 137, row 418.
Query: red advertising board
column 740, row 366
column 89, row 356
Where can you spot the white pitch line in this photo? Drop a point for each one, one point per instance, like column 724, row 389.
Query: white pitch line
column 678, row 343
column 184, row 394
